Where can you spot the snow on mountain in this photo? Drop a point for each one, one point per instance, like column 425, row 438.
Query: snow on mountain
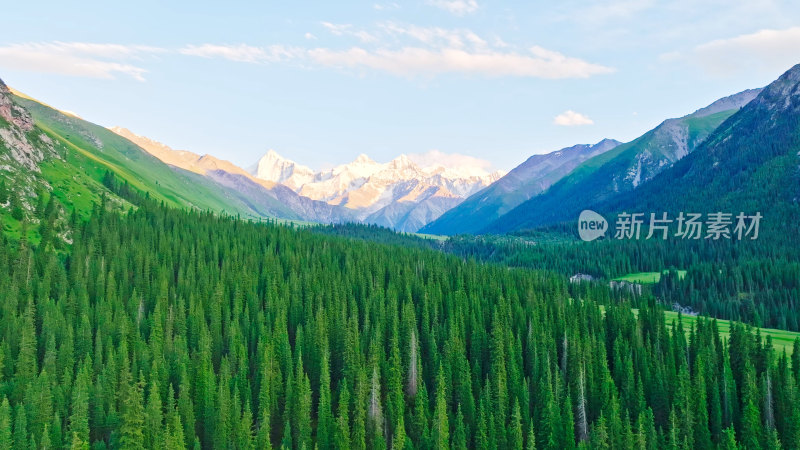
column 375, row 190
column 266, row 196
column 273, row 167
column 529, row 179
column 182, row 158
column 405, row 193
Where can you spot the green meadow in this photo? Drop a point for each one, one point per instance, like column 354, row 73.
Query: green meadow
column 782, row 340
column 646, row 277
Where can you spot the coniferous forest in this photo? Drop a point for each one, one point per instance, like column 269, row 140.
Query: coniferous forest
column 162, row 328
column 440, row 224
column 754, row 282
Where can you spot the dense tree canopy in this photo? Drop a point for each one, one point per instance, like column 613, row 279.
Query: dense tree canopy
column 162, row 328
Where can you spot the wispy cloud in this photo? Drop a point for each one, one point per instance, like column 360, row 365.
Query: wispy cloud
column 570, row 118
column 411, row 50
column 349, row 30
column 386, row 6
column 457, row 7
column 397, row 49
column 241, row 52
column 78, row 58
column 411, row 61
column 768, row 50
column 434, row 158
column 337, row 29
column 435, row 36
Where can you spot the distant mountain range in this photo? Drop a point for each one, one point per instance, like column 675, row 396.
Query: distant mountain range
column 42, row 145
column 750, row 163
column 399, row 194
column 621, row 169
column 264, row 198
column 527, row 180
column 750, row 137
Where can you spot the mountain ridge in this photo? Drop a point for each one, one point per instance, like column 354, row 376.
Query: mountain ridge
column 266, row 198
column 753, row 155
column 526, row 180
column 398, row 194
column 623, row 168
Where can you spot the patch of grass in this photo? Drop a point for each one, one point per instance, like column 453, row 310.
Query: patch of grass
column 782, row 340
column 646, row 277
column 73, row 188
column 12, row 228
column 434, row 237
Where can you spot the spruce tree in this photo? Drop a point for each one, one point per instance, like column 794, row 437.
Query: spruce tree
column 133, row 417
column 441, row 425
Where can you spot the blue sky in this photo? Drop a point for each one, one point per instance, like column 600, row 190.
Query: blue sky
column 321, row 82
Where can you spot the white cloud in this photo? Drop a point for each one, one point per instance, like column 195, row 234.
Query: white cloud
column 415, row 51
column 410, row 50
column 80, row 59
column 348, row 30
column 337, row 29
column 602, row 12
column 457, row 7
column 571, row 118
column 768, row 50
column 433, row 158
column 411, row 61
column 386, row 6
column 310, row 37
column 403, row 50
column 435, row 36
column 241, row 52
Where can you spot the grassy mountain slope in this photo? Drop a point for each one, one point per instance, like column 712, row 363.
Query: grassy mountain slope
column 42, row 180
column 528, row 179
column 265, row 198
column 750, row 163
column 94, row 150
column 622, row 169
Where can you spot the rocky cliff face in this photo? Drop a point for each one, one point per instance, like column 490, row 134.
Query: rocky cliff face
column 14, row 128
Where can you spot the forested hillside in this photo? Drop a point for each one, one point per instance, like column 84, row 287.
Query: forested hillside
column 748, row 164
column 165, row 328
column 757, row 282
column 622, row 170
column 527, row 180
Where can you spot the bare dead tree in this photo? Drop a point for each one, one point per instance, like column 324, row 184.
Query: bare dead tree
column 583, row 426
column 411, row 385
column 375, row 410
column 769, row 415
column 564, row 354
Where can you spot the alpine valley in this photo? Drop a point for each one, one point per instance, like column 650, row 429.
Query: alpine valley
column 399, row 194
column 153, row 298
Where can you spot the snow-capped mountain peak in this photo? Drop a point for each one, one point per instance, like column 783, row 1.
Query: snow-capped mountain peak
column 274, row 167
column 363, row 159
column 402, row 162
column 386, row 193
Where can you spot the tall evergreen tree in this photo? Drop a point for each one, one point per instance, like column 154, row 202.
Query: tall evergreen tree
column 441, row 425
